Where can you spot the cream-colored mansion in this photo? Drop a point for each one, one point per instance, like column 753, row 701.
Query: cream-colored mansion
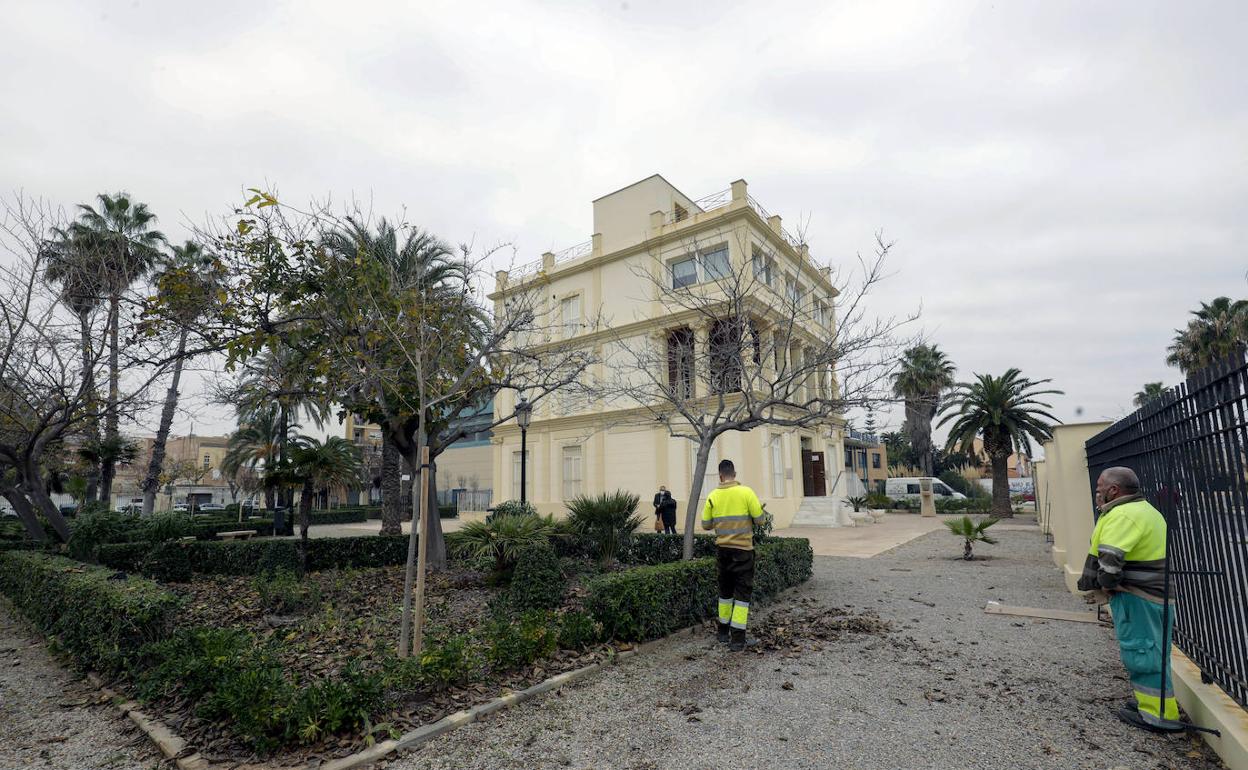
column 591, row 445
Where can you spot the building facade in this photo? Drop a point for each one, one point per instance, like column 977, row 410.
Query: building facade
column 465, row 465
column 866, row 458
column 647, row 232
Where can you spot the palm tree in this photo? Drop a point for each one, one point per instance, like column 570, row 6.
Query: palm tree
column 187, row 278
column 68, row 265
column 925, row 373
column 418, row 260
column 319, row 465
column 257, row 444
column 120, row 247
column 1212, row 335
column 1006, row 412
column 275, row 388
column 971, row 532
column 1151, row 390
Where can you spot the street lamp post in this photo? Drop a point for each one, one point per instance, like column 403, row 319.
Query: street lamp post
column 524, row 414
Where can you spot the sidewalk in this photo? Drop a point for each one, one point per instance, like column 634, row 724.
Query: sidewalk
column 864, row 542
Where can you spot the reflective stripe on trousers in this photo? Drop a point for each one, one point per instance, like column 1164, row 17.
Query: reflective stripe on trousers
column 725, row 610
column 1137, row 624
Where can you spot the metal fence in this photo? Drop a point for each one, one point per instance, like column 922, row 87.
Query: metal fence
column 1189, row 448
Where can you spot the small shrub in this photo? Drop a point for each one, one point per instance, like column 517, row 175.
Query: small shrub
column 92, row 529
column 879, row 500
column 858, row 502
column 447, row 661
column 578, row 630
column 191, row 662
column 513, row 644
column 537, row 582
column 163, row 527
column 500, row 539
column 283, row 593
column 606, row 521
column 513, row 508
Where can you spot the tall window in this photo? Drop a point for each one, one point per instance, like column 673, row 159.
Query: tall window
column 725, row 355
column 777, row 466
column 684, row 272
column 849, row 458
column 791, row 290
column 715, row 263
column 680, row 362
column 875, row 459
column 207, row 462
column 571, row 472
column 515, row 472
column 762, row 266
column 570, row 312
column 820, row 314
column 756, row 341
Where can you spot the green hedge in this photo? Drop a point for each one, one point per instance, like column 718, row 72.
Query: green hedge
column 253, row 557
column 649, row 602
column 657, row 548
column 99, row 621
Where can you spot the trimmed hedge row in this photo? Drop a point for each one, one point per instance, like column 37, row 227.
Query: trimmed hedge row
column 657, row 548
column 100, row 621
column 253, row 557
column 649, row 602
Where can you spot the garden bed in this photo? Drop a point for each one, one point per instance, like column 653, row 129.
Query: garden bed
column 245, row 665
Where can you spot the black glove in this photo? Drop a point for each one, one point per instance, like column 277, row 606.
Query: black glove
column 1088, row 583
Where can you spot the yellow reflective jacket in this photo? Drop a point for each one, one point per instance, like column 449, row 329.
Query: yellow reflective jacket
column 1128, row 549
column 731, row 510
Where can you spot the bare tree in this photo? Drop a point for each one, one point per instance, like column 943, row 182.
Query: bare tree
column 750, row 347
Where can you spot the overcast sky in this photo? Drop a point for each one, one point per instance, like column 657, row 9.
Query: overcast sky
column 1064, row 181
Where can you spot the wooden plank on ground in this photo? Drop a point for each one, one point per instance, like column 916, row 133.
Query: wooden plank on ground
column 997, row 608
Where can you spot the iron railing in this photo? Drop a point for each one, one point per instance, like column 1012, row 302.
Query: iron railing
column 1189, row 447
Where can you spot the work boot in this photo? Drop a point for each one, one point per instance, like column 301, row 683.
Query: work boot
column 740, row 641
column 1132, row 717
column 721, row 633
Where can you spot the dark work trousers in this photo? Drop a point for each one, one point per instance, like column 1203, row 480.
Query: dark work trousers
column 669, row 522
column 736, row 583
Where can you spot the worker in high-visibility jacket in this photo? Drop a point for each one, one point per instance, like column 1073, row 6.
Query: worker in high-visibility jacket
column 1127, row 559
column 731, row 510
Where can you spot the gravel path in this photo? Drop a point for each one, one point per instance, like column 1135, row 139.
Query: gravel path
column 949, row 687
column 50, row 718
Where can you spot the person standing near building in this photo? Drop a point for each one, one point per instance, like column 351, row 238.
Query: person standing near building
column 667, row 509
column 731, row 510
column 1127, row 559
column 658, row 502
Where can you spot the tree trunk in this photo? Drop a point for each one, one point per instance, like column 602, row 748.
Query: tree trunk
column 92, row 422
column 966, row 550
column 695, row 492
column 108, row 467
column 305, row 521
column 391, row 487
column 32, row 485
column 152, row 481
column 436, row 549
column 409, row 571
column 270, row 498
column 1001, row 508
column 25, row 512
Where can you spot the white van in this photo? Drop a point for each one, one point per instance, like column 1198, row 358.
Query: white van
column 907, row 487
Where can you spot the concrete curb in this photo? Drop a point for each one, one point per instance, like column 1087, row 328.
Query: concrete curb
column 169, row 743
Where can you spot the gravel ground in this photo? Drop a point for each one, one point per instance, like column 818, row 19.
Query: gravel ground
column 50, row 718
column 949, row 687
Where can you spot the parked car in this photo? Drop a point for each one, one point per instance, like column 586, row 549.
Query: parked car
column 907, row 487
column 210, row 508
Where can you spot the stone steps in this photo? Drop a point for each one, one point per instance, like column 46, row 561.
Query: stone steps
column 828, row 512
